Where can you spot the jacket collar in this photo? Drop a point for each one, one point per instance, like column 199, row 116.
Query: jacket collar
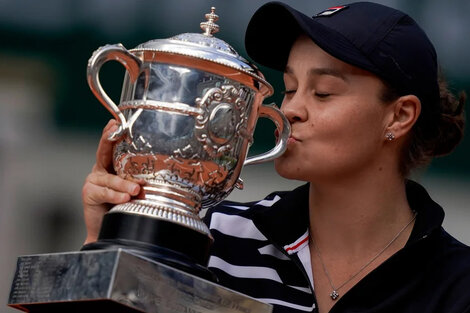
column 430, row 214
column 286, row 222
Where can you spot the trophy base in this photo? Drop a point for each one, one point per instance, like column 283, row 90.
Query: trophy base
column 117, row 281
column 77, row 307
column 156, row 239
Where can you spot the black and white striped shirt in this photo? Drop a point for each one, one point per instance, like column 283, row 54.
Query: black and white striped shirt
column 261, row 250
column 263, row 256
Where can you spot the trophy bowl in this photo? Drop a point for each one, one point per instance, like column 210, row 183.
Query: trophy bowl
column 187, row 114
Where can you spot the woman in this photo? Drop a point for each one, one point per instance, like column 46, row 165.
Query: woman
column 365, row 107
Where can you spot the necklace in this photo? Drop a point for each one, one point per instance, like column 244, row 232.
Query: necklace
column 334, row 294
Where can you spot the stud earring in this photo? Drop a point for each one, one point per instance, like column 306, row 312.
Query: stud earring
column 389, row 136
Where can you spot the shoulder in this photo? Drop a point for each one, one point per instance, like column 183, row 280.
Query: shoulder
column 265, row 216
column 238, row 242
column 454, row 254
column 235, row 219
column 244, row 209
column 245, row 257
column 449, row 272
column 237, row 236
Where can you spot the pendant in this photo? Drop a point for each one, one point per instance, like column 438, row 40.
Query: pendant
column 334, row 295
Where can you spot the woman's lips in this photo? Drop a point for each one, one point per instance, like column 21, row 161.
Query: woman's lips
column 290, row 140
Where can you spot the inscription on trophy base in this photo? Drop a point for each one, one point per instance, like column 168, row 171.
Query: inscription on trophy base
column 118, row 281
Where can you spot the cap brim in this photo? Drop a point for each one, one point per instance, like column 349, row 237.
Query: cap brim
column 275, row 26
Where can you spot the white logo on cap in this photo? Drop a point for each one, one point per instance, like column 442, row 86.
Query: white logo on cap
column 331, row 11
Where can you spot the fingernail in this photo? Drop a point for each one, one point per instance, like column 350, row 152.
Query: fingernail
column 134, row 189
column 113, row 128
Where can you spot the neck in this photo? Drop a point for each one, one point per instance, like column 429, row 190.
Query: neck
column 356, row 215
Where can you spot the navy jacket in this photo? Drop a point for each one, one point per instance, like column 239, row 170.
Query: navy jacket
column 257, row 245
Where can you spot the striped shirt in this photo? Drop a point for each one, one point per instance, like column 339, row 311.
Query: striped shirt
column 244, row 259
column 261, row 249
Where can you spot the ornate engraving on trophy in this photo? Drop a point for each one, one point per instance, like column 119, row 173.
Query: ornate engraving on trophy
column 224, row 120
column 202, row 174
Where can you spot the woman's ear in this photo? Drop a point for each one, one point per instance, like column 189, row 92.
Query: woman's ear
column 406, row 110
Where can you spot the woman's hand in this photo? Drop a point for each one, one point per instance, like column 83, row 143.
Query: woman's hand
column 103, row 188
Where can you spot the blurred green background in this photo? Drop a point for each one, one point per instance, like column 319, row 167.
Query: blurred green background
column 50, row 122
column 57, row 38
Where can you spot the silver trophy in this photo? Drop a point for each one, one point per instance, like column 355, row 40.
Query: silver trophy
column 188, row 110
column 187, row 114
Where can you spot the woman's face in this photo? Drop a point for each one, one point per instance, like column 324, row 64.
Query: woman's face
column 338, row 122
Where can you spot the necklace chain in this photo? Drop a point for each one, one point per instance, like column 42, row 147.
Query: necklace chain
column 334, row 294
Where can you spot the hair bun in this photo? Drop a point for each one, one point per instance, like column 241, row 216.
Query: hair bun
column 451, row 121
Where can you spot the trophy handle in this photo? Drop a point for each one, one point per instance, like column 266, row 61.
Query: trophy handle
column 283, row 126
column 104, row 54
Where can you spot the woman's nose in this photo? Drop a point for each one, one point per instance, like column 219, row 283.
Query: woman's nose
column 294, row 110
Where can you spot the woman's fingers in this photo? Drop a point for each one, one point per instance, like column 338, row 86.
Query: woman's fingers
column 104, row 154
column 100, row 192
column 103, row 187
column 97, row 195
column 114, row 182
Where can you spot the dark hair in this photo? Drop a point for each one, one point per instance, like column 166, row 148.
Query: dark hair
column 438, row 130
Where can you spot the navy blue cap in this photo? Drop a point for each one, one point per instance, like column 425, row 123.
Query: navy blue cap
column 371, row 36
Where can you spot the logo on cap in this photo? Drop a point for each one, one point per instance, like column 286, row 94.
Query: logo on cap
column 331, row 11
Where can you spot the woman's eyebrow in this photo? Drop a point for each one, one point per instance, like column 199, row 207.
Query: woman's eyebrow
column 327, row 71
column 319, row 71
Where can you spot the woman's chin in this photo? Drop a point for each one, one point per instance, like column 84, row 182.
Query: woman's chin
column 287, row 170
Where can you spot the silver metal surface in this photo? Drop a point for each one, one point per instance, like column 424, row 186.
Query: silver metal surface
column 210, row 27
column 187, row 114
column 120, row 279
column 204, row 47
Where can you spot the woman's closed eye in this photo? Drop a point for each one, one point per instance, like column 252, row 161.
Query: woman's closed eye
column 322, row 95
column 288, row 91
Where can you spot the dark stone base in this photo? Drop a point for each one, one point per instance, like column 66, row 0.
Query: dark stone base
column 117, row 281
column 79, row 307
column 159, row 240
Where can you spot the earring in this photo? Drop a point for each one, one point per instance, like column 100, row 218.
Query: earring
column 389, row 136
